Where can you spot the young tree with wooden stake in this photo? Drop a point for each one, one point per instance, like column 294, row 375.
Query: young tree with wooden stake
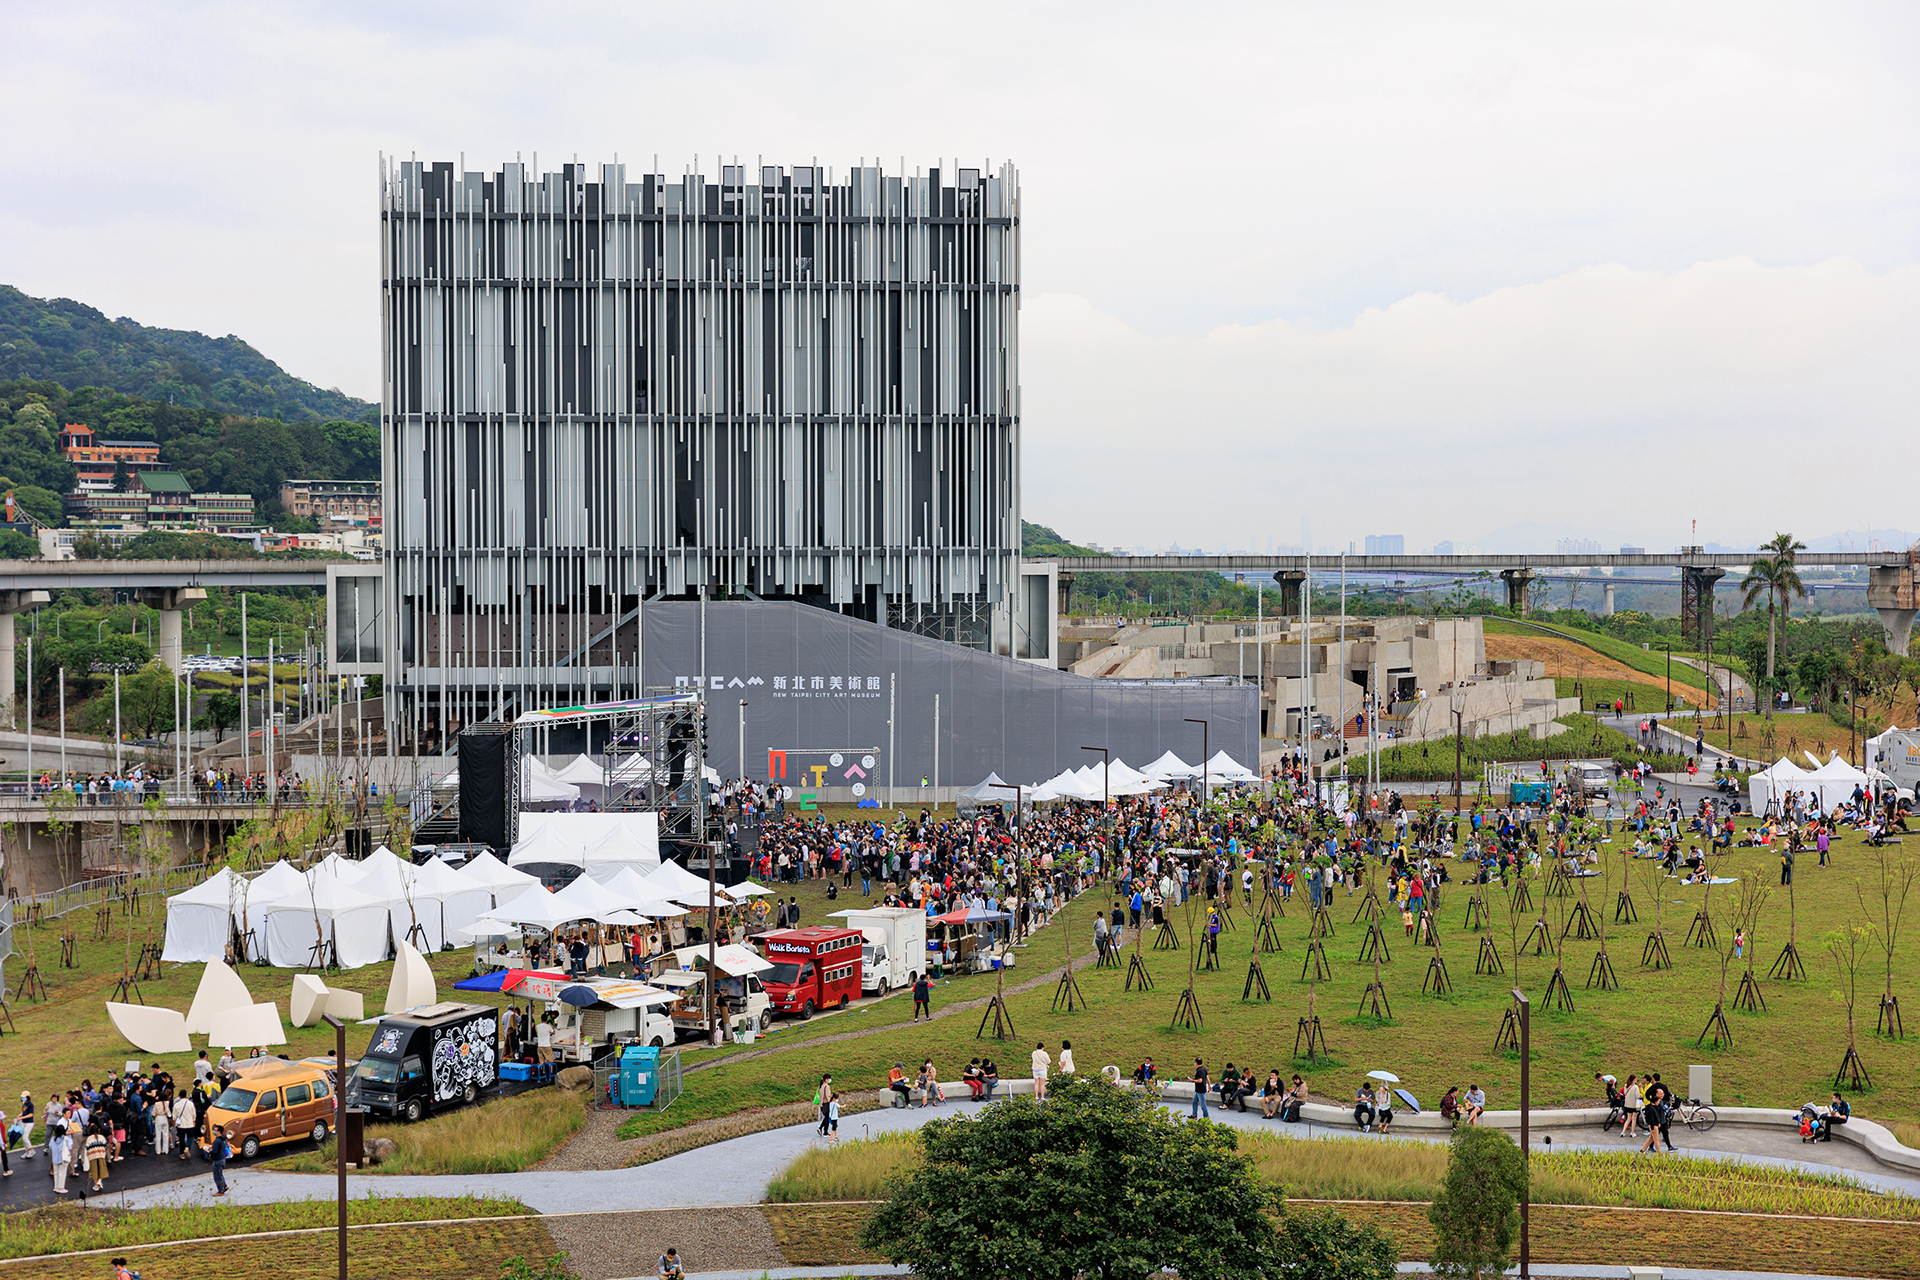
column 1753, row 897
column 1843, row 948
column 1893, row 879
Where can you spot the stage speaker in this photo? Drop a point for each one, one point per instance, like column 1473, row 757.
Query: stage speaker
column 483, row 784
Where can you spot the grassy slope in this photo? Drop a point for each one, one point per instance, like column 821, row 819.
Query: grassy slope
column 67, row 1227
column 1651, row 1023
column 1651, row 661
column 504, row 1136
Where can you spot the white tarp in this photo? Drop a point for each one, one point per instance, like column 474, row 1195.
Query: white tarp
column 1224, row 768
column 588, row 839
column 539, row 786
column 675, row 883
column 581, row 771
column 356, row 923
column 628, row 887
column 200, row 921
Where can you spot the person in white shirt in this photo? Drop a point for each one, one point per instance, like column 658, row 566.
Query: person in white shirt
column 1066, row 1058
column 1042, row 1060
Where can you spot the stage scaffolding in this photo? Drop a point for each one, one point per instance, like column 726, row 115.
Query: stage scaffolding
column 656, row 747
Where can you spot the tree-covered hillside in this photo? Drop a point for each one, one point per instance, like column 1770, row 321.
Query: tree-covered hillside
column 216, row 452
column 68, row 342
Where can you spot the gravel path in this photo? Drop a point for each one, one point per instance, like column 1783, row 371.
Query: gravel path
column 608, row 1246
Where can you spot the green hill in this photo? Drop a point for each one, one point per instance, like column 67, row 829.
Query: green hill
column 68, row 342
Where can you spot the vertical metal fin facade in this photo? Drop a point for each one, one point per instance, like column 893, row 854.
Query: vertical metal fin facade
column 597, row 391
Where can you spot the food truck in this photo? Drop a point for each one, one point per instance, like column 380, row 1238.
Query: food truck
column 593, row 1013
column 427, row 1059
column 740, row 993
column 895, row 950
column 813, row 968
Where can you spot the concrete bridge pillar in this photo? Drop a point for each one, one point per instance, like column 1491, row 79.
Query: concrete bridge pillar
column 1606, row 600
column 1891, row 589
column 1517, row 580
column 1290, row 581
column 1065, row 581
column 11, row 602
column 1696, row 603
column 170, row 601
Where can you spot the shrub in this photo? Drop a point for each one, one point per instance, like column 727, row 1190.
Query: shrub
column 1476, row 1214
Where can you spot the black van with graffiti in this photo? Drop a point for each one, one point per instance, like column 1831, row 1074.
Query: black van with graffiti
column 426, row 1060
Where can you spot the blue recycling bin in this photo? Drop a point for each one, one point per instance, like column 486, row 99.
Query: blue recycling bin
column 639, row 1075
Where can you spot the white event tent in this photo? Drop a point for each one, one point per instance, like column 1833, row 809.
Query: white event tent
column 200, row 921
column 1836, row 781
column 459, row 900
column 1775, row 783
column 356, row 923
column 1170, row 768
column 496, row 877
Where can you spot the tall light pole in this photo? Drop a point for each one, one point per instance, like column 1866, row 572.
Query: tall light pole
column 1206, row 754
column 1526, row 1105
column 743, row 739
column 1106, row 775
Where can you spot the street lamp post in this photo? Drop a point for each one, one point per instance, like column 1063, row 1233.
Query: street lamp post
column 1206, row 755
column 1106, row 775
column 339, row 1139
column 1526, row 1103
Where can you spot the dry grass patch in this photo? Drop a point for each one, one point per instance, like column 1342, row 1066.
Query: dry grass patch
column 69, row 1228
column 477, row 1249
column 505, row 1135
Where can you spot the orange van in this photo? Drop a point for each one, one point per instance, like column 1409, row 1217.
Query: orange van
column 275, row 1103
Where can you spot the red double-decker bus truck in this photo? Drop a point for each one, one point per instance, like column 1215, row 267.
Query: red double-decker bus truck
column 817, row 968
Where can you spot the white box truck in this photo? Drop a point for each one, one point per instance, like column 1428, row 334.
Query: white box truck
column 896, row 946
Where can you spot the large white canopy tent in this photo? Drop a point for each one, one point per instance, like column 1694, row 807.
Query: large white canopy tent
column 536, row 906
column 200, row 921
column 1170, row 768
column 588, row 840
column 991, row 789
column 1836, row 781
column 582, row 772
column 356, row 923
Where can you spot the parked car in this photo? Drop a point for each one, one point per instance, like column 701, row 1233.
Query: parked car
column 281, row 1102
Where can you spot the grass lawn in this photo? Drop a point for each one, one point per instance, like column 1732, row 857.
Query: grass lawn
column 1642, row 698
column 1652, row 1023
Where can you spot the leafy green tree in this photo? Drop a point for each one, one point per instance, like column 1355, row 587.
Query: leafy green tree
column 1096, row 1182
column 28, row 448
column 223, row 712
column 1477, row 1212
column 1322, row 1245
column 122, row 478
column 146, row 701
column 15, row 545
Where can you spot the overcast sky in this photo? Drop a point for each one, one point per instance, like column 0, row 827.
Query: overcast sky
column 1429, row 269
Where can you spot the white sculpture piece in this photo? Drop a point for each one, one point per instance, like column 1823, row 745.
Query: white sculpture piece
column 149, row 1028
column 256, row 1024
column 220, row 988
column 308, row 1001
column 412, row 983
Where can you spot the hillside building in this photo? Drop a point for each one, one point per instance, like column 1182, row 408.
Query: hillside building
column 159, row 500
column 333, row 503
column 97, row 460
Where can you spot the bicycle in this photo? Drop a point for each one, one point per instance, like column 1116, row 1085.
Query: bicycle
column 1695, row 1114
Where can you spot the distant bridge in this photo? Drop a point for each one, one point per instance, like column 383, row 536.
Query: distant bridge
column 1893, row 587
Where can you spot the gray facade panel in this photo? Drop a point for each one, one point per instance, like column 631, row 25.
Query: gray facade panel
column 1023, row 721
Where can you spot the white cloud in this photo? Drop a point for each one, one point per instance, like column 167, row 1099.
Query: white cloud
column 1285, row 194
column 1606, row 397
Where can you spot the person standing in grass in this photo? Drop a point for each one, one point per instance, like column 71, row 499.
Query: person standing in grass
column 922, row 998
column 1042, row 1061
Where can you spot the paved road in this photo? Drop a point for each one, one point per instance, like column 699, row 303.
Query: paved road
column 738, row 1171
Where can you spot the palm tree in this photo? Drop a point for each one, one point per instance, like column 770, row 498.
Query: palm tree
column 1775, row 577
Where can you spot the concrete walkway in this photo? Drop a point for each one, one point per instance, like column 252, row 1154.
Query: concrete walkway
column 738, row 1171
